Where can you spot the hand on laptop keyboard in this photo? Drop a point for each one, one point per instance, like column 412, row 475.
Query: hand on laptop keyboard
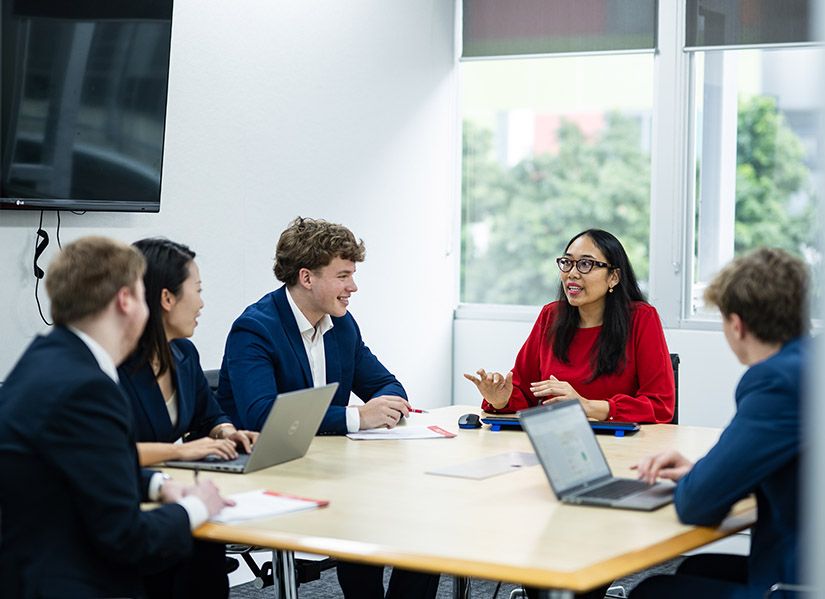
column 198, row 449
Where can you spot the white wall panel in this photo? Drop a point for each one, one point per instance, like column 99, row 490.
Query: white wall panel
column 344, row 111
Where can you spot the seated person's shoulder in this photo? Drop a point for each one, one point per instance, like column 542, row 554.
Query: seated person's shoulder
column 550, row 309
column 260, row 315
column 643, row 316
column 786, row 364
column 773, row 384
column 643, row 310
column 548, row 312
column 186, row 347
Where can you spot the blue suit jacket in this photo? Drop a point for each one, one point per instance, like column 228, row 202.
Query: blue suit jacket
column 198, row 412
column 71, row 487
column 265, row 355
column 757, row 453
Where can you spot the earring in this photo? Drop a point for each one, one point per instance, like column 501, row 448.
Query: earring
column 610, row 290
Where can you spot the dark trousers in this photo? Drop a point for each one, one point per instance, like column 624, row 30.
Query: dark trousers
column 709, row 576
column 359, row 581
column 201, row 575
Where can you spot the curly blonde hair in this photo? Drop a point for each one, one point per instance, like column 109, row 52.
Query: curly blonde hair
column 768, row 289
column 313, row 243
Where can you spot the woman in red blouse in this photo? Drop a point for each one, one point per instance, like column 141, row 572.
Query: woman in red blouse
column 600, row 343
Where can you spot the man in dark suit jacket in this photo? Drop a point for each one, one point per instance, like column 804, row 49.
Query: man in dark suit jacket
column 763, row 300
column 302, row 335
column 71, row 487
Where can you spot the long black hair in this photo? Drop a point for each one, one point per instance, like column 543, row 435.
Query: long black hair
column 167, row 267
column 610, row 354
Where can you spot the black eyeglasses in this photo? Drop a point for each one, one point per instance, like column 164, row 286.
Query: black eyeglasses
column 583, row 265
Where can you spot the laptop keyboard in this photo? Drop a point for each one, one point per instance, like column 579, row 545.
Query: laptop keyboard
column 617, row 489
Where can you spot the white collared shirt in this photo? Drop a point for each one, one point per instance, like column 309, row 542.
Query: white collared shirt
column 313, row 338
column 194, row 506
column 104, row 359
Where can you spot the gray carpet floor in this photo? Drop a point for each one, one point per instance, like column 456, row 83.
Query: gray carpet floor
column 327, row 587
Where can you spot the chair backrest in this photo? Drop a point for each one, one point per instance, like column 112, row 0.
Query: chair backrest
column 674, row 361
column 213, row 375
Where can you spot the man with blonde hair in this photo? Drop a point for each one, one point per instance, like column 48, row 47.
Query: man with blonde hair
column 763, row 298
column 302, row 335
column 71, row 486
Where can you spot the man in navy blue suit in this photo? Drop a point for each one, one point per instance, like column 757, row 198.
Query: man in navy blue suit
column 763, row 297
column 301, row 335
column 71, row 487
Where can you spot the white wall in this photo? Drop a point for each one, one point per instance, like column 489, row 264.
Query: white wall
column 708, row 372
column 340, row 110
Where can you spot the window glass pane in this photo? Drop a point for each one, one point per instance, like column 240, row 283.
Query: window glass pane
column 506, row 28
column 551, row 147
column 757, row 116
column 747, row 22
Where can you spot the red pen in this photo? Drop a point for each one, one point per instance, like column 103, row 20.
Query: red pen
column 417, row 411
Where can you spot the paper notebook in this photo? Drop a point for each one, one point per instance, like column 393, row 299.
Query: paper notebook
column 402, row 432
column 261, row 503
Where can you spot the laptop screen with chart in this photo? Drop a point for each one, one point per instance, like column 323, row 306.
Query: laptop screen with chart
column 578, row 457
column 575, row 465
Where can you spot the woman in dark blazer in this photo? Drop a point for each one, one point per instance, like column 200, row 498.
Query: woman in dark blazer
column 172, row 401
column 170, row 397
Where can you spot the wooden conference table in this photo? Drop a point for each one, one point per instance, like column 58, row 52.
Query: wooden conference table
column 385, row 510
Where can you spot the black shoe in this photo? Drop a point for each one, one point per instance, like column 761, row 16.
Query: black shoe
column 231, row 564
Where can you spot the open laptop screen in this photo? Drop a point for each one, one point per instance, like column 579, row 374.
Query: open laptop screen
column 565, row 445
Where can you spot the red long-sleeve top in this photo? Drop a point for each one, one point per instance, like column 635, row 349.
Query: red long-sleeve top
column 641, row 391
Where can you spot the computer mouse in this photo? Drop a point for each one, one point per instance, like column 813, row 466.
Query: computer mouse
column 469, row 421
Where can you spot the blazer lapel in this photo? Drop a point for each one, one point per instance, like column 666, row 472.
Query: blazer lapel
column 292, row 333
column 185, row 406
column 152, row 404
column 332, row 356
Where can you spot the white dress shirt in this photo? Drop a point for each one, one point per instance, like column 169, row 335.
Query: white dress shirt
column 313, row 338
column 195, row 508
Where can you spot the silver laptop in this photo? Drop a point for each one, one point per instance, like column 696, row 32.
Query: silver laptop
column 575, row 465
column 290, row 427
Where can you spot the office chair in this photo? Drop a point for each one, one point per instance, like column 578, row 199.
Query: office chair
column 305, row 570
column 212, row 377
column 674, row 361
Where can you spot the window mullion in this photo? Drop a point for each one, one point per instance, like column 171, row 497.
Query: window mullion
column 670, row 183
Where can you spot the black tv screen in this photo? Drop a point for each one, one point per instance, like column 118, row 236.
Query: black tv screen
column 83, row 95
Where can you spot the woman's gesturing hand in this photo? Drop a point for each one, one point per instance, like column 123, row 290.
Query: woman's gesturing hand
column 493, row 386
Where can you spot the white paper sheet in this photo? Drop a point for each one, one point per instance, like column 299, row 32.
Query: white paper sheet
column 403, row 432
column 491, row 466
column 261, row 503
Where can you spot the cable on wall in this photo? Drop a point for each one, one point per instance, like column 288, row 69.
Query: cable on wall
column 39, row 273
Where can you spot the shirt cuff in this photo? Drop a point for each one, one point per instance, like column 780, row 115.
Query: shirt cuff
column 353, row 419
column 155, row 484
column 195, row 509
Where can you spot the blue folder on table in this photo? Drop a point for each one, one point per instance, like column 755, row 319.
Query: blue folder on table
column 499, row 422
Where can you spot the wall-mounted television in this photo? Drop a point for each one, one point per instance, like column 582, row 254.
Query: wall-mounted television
column 83, row 103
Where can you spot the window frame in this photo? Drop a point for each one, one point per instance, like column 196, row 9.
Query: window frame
column 672, row 186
